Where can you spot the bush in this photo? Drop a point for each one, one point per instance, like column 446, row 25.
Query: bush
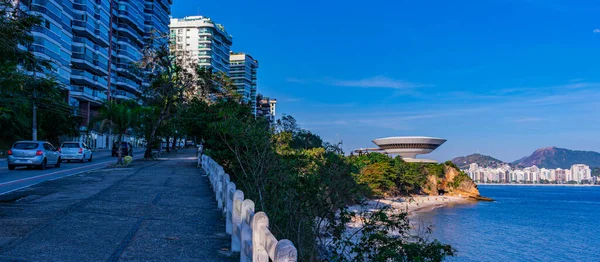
column 301, row 186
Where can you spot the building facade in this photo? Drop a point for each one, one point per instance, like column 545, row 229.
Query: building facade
column 265, row 107
column 93, row 49
column 204, row 42
column 580, row 172
column 243, row 75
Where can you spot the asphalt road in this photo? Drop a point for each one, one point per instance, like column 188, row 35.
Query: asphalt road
column 23, row 177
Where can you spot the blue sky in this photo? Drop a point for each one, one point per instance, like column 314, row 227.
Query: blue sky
column 498, row 77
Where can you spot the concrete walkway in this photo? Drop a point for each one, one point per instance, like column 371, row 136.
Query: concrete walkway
column 155, row 211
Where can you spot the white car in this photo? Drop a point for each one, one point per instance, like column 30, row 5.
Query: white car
column 76, row 151
column 33, row 153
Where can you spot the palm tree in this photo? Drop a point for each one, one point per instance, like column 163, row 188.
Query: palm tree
column 119, row 117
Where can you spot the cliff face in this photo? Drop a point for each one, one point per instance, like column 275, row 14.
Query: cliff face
column 453, row 183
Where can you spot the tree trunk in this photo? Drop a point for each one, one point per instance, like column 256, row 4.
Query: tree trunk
column 163, row 114
column 150, row 139
column 119, row 154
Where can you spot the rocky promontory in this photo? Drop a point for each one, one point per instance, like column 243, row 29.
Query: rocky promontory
column 453, row 183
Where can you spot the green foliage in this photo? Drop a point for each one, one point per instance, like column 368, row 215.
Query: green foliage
column 386, row 176
column 450, row 163
column 436, row 169
column 120, row 117
column 459, row 179
column 304, row 139
column 20, row 90
column 596, row 171
column 288, row 172
column 386, row 236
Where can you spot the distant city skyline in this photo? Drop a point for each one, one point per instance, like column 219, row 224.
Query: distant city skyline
column 494, row 77
column 578, row 173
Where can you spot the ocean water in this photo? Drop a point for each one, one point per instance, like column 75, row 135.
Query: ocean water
column 526, row 223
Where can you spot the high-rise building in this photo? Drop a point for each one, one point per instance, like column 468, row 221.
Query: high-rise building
column 203, row 41
column 581, row 172
column 265, row 107
column 90, row 55
column 93, row 49
column 243, row 74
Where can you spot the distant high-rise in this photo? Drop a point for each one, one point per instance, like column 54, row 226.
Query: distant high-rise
column 243, row 74
column 203, row 41
column 265, row 107
column 581, row 172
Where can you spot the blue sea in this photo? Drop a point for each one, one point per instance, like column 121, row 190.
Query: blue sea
column 525, row 223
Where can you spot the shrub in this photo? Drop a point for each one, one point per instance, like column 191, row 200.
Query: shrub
column 127, row 160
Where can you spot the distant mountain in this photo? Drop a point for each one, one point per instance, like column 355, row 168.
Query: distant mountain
column 463, row 162
column 553, row 157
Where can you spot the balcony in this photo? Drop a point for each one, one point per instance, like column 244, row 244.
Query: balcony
column 83, row 77
column 87, row 94
column 133, row 17
column 85, row 29
column 120, row 94
column 131, row 33
column 126, row 83
column 82, row 61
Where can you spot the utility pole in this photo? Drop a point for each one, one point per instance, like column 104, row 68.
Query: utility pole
column 34, row 131
column 34, row 124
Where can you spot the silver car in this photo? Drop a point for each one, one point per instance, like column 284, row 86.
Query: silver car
column 75, row 151
column 33, row 154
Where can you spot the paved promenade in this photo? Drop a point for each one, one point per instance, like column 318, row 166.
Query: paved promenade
column 154, row 211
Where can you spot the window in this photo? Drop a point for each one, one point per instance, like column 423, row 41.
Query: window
column 25, row 146
column 187, row 30
column 70, row 145
column 188, row 37
column 48, row 147
column 47, row 24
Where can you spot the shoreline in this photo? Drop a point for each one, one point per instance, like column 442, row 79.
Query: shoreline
column 505, row 184
column 413, row 205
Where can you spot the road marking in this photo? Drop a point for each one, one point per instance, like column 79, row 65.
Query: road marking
column 53, row 173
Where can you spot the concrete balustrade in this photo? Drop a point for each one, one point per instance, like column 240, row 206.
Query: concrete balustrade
column 250, row 234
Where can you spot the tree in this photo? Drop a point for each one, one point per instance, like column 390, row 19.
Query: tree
column 288, row 123
column 21, row 89
column 120, row 117
column 168, row 82
column 305, row 139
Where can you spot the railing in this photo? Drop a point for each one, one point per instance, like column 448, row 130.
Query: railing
column 250, row 234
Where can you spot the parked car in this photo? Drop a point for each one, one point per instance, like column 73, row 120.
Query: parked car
column 75, row 151
column 126, row 149
column 33, row 154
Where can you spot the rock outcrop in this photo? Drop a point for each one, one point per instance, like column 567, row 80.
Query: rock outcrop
column 453, row 183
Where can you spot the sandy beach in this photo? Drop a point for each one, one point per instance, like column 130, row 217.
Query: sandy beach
column 411, row 205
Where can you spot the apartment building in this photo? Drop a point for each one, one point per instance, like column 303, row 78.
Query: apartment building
column 93, row 50
column 202, row 41
column 243, row 75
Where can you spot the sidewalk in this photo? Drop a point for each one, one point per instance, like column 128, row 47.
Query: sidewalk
column 155, row 211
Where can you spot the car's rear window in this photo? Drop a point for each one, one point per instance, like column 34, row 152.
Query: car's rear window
column 70, row 145
column 25, row 146
column 122, row 144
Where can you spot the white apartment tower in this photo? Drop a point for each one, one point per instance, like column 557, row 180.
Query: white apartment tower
column 243, row 74
column 581, row 172
column 205, row 42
